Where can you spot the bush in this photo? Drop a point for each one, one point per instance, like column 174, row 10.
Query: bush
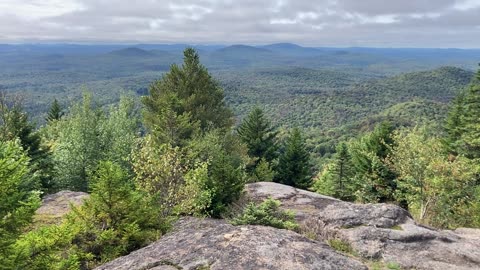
column 267, row 213
column 114, row 221
column 17, row 202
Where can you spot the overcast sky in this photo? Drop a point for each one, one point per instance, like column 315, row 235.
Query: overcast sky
column 379, row 23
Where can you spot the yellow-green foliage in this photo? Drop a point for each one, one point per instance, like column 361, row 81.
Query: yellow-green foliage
column 439, row 191
column 114, row 221
column 341, row 246
column 17, row 203
column 179, row 185
column 268, row 213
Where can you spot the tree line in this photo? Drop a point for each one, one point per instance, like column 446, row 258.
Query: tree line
column 434, row 176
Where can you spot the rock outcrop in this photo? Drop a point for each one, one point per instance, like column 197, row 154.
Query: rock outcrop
column 381, row 233
column 215, row 244
column 55, row 206
column 376, row 231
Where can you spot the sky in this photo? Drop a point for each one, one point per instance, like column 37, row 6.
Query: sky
column 341, row 23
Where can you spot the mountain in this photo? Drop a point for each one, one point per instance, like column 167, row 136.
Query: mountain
column 241, row 50
column 240, row 56
column 292, row 49
column 132, row 52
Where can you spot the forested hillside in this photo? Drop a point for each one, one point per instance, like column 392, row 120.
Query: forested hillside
column 333, row 94
column 187, row 144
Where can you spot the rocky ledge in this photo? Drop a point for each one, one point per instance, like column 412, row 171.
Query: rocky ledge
column 381, row 232
column 373, row 232
column 55, row 206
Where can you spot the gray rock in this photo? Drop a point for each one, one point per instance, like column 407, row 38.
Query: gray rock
column 215, row 244
column 55, row 206
column 376, row 231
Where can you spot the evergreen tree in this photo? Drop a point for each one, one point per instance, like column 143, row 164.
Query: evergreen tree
column 256, row 132
column 55, row 112
column 115, row 220
column 15, row 124
column 453, row 123
column 226, row 157
column 293, row 167
column 375, row 181
column 186, row 98
column 470, row 120
column 344, row 173
column 17, row 202
column 463, row 125
column 337, row 178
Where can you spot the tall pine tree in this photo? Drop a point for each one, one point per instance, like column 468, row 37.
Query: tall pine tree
column 453, row 123
column 336, row 179
column 16, row 125
column 463, row 122
column 293, row 167
column 186, row 99
column 375, row 181
column 343, row 172
column 259, row 136
column 55, row 112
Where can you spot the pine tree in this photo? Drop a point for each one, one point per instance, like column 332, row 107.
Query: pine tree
column 55, row 112
column 375, row 181
column 17, row 202
column 463, row 125
column 15, row 124
column 293, row 167
column 344, row 173
column 185, row 98
column 256, row 132
column 470, row 120
column 337, row 177
column 453, row 123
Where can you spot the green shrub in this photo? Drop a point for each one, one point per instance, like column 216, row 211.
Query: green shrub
column 267, row 213
column 341, row 246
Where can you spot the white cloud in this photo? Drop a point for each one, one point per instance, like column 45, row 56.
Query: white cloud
column 37, row 9
column 322, row 22
column 467, row 5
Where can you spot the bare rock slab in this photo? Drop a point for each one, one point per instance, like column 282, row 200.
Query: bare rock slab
column 55, row 206
column 215, row 244
column 376, row 231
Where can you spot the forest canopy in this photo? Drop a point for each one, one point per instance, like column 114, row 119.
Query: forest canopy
column 179, row 150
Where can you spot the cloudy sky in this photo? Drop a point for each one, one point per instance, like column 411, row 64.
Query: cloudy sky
column 380, row 23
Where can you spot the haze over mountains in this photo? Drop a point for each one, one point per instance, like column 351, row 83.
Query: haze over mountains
column 336, row 92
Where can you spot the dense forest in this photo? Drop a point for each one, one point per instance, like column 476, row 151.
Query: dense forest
column 191, row 142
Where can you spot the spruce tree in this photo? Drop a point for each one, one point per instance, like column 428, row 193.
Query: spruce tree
column 259, row 136
column 293, row 167
column 343, row 173
column 17, row 203
column 55, row 112
column 375, row 180
column 470, row 120
column 463, row 125
column 453, row 123
column 16, row 125
column 185, row 98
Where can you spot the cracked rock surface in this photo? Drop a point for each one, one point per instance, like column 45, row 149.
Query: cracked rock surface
column 214, row 244
column 377, row 231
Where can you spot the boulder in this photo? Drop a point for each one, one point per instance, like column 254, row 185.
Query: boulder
column 215, row 244
column 376, row 231
column 55, row 206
